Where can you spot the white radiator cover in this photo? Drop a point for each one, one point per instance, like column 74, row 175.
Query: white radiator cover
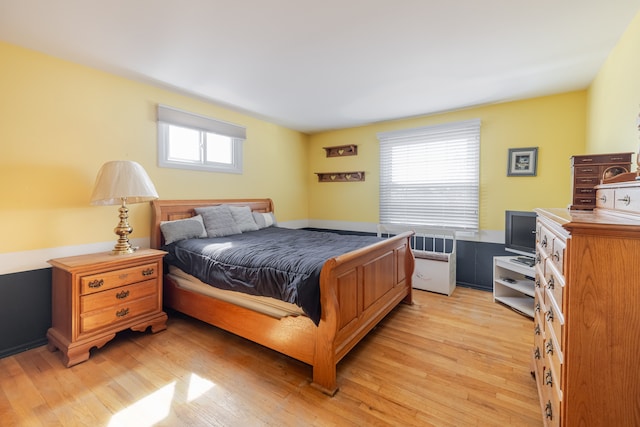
column 435, row 275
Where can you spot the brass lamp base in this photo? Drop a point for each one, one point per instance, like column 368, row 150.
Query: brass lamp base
column 123, row 229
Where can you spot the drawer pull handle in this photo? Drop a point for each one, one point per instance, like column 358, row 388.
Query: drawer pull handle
column 548, row 412
column 537, row 283
column 96, row 283
column 122, row 313
column 148, row 272
column 617, row 159
column 587, row 170
column 586, row 160
column 122, row 295
column 544, row 242
column 549, row 348
column 603, row 199
column 626, row 200
column 548, row 379
column 536, row 353
column 538, row 259
column 537, row 307
column 549, row 315
column 536, row 330
column 556, row 256
column 552, row 283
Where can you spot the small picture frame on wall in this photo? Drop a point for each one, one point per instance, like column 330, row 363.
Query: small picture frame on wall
column 523, row 161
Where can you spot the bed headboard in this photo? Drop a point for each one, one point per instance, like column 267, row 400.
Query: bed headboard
column 169, row 210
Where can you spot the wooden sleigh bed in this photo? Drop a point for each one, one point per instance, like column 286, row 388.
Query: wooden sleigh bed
column 357, row 290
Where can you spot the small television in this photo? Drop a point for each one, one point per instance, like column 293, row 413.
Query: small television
column 520, row 232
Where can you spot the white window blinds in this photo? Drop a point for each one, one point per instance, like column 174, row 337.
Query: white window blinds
column 430, row 176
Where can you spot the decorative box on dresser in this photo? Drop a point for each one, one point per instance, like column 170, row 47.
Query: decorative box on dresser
column 95, row 296
column 586, row 349
column 587, row 171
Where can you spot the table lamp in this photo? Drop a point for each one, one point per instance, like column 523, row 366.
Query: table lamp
column 118, row 183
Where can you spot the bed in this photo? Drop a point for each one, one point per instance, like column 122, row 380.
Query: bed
column 357, row 290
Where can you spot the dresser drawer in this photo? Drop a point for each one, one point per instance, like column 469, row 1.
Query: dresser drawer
column 592, row 171
column 584, row 192
column 538, row 342
column 116, row 278
column 545, row 242
column 584, row 202
column 627, row 199
column 605, row 198
column 554, row 285
column 553, row 321
column 118, row 313
column 553, row 355
column 551, row 407
column 601, row 159
column 586, row 181
column 557, row 255
column 116, row 296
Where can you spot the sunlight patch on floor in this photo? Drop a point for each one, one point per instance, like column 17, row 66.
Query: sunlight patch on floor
column 155, row 407
column 197, row 387
column 147, row 411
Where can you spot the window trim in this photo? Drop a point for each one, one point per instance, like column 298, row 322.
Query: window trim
column 169, row 116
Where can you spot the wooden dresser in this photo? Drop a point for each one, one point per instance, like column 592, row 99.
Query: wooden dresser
column 587, row 172
column 586, row 349
column 94, row 296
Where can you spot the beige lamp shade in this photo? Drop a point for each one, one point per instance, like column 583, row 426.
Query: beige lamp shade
column 122, row 179
column 118, row 183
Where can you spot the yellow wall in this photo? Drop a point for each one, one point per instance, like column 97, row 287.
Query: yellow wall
column 59, row 122
column 555, row 124
column 614, row 98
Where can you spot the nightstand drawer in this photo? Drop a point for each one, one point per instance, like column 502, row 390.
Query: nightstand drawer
column 118, row 313
column 116, row 278
column 111, row 297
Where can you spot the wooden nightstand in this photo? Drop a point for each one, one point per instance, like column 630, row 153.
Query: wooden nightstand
column 94, row 296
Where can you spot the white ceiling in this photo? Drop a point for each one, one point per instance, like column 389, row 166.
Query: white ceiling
column 318, row 65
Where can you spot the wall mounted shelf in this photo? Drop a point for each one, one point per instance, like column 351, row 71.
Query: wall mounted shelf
column 340, row 176
column 342, row 150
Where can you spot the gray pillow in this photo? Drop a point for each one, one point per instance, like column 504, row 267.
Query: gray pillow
column 264, row 220
column 181, row 229
column 243, row 218
column 218, row 221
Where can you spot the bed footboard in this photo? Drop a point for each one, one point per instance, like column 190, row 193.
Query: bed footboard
column 358, row 290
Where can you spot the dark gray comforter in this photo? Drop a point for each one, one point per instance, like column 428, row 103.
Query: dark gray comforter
column 277, row 262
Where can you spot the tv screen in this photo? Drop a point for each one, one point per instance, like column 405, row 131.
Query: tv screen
column 520, row 232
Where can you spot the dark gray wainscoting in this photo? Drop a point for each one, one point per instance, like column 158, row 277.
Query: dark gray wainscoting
column 25, row 310
column 474, row 263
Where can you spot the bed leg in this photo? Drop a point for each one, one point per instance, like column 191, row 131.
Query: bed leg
column 325, row 380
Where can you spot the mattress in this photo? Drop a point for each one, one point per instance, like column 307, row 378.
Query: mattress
column 265, row 305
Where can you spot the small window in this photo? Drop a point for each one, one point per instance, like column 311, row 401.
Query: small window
column 192, row 141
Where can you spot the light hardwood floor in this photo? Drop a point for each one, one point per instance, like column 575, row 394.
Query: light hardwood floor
column 461, row 360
